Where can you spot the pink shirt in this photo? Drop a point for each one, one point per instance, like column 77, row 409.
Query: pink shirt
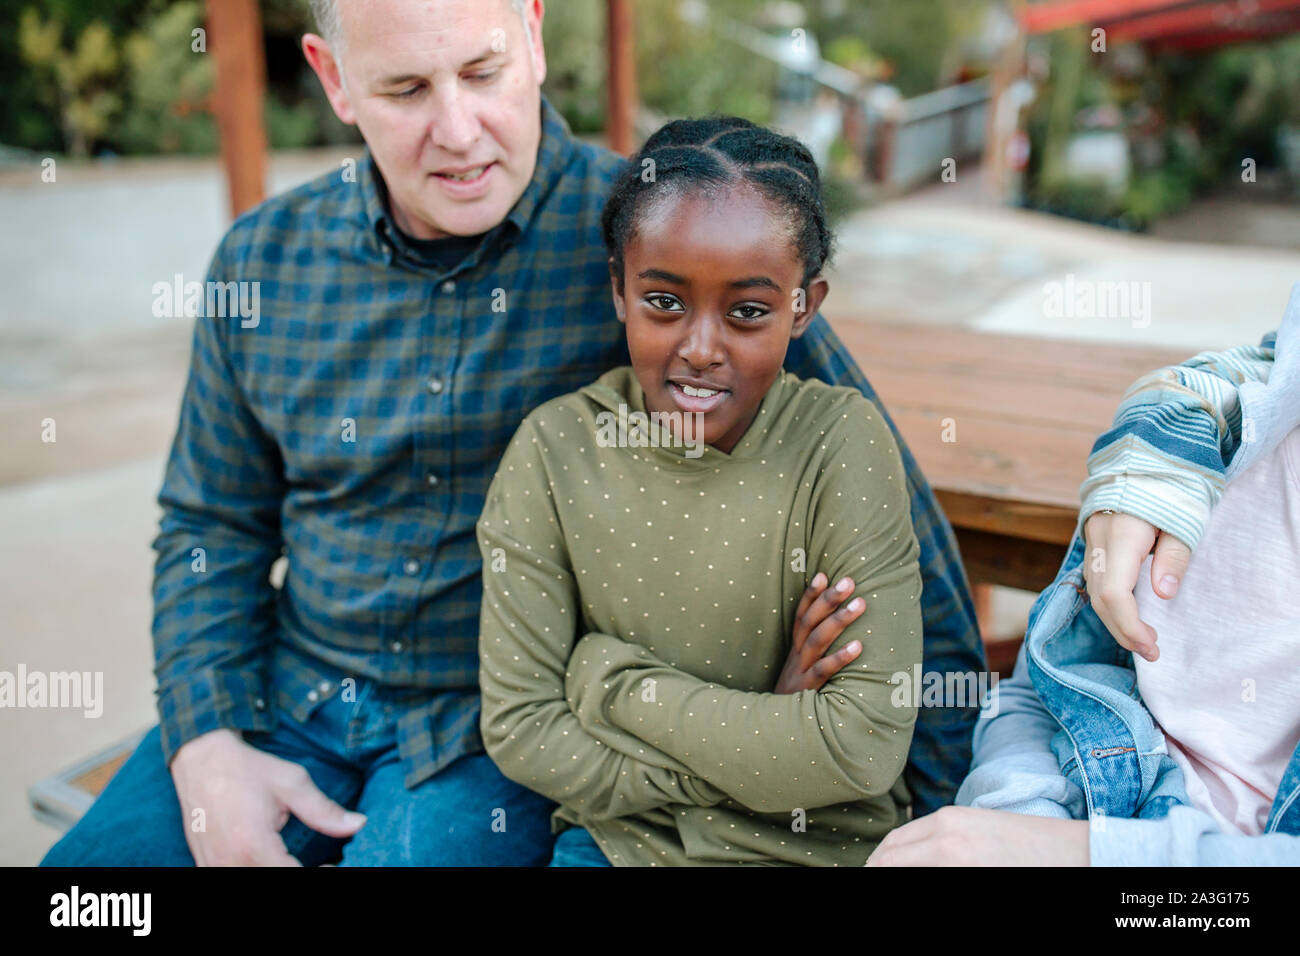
column 1226, row 689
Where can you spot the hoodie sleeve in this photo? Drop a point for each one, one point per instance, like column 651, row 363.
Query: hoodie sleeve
column 527, row 632
column 1186, row 837
column 1014, row 766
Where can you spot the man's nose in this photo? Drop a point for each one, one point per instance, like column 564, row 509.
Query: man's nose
column 454, row 126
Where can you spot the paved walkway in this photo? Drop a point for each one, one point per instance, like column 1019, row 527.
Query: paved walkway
column 79, row 343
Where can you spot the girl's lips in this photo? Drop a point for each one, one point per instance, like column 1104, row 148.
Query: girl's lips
column 466, row 188
column 692, row 403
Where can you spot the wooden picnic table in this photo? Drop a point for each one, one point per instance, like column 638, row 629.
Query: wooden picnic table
column 1021, row 414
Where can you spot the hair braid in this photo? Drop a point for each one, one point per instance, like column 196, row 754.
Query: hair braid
column 713, row 153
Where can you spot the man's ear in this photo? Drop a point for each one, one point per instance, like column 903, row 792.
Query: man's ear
column 323, row 63
column 813, row 295
column 534, row 13
column 616, row 285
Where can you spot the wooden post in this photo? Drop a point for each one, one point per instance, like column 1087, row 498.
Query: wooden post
column 621, row 64
column 236, row 43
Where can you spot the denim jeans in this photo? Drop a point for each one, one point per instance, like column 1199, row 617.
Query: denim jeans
column 576, row 847
column 350, row 751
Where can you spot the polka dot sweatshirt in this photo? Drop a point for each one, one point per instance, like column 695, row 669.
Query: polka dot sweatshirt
column 638, row 606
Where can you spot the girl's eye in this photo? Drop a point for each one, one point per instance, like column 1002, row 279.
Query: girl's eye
column 749, row 313
column 481, row 77
column 664, row 303
column 407, row 93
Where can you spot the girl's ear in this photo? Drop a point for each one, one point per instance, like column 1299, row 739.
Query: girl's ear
column 813, row 295
column 616, row 286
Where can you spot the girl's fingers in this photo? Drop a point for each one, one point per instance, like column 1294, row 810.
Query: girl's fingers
column 801, row 629
column 811, row 594
column 832, row 664
column 829, row 631
column 822, row 608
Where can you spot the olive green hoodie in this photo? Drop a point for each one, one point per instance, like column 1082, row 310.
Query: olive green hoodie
column 638, row 607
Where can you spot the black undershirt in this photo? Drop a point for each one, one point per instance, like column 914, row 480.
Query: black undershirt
column 441, row 254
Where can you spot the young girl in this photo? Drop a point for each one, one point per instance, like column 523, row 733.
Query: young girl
column 646, row 659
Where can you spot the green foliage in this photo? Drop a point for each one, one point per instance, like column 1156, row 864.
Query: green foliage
column 77, row 80
column 170, row 86
column 1153, row 195
column 685, row 69
column 574, row 36
column 915, row 38
column 291, row 126
column 853, row 53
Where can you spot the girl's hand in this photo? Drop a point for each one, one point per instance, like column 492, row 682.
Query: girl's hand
column 817, row 624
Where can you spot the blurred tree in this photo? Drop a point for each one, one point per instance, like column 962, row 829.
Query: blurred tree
column 169, row 85
column 916, row 39
column 77, row 82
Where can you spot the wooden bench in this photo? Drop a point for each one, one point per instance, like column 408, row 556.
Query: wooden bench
column 1002, row 426
column 1021, row 414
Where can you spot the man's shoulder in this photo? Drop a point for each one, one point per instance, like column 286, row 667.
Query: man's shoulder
column 327, row 206
column 595, row 162
column 589, row 172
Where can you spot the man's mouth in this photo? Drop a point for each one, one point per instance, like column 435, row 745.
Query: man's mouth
column 465, row 175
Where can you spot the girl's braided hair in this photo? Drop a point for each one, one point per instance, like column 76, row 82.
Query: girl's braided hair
column 710, row 155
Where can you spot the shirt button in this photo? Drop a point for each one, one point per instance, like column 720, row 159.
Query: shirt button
column 435, row 385
column 412, row 566
column 449, row 286
column 396, row 646
column 323, row 687
column 259, row 704
column 313, row 696
column 431, row 480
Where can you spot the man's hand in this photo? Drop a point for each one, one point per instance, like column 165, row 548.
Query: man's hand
column 1117, row 545
column 965, row 836
column 817, row 624
column 246, row 796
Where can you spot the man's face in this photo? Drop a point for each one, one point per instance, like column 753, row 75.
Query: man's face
column 447, row 94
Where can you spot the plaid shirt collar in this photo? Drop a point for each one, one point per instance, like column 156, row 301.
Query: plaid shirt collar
column 553, row 155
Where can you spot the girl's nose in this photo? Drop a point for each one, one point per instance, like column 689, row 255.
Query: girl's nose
column 703, row 345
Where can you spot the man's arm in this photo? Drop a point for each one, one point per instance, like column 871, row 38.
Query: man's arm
column 221, row 497
column 526, row 635
column 774, row 752
column 941, row 741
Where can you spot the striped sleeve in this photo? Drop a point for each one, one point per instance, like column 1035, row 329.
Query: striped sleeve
column 1176, row 431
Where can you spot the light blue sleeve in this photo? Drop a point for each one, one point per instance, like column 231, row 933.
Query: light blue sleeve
column 1186, row 837
column 1014, row 767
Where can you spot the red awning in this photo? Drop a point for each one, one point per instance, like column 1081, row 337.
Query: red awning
column 1176, row 24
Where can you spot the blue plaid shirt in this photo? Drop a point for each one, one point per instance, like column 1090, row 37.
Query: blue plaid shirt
column 355, row 426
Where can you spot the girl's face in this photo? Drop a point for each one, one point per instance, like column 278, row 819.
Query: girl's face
column 709, row 295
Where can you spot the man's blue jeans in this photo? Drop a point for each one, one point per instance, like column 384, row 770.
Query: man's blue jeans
column 576, row 847
column 350, row 750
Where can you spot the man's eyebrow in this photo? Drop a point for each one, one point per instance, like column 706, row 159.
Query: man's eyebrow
column 487, row 54
column 399, row 79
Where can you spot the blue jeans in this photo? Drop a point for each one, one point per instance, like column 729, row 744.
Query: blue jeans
column 576, row 847
column 350, row 751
